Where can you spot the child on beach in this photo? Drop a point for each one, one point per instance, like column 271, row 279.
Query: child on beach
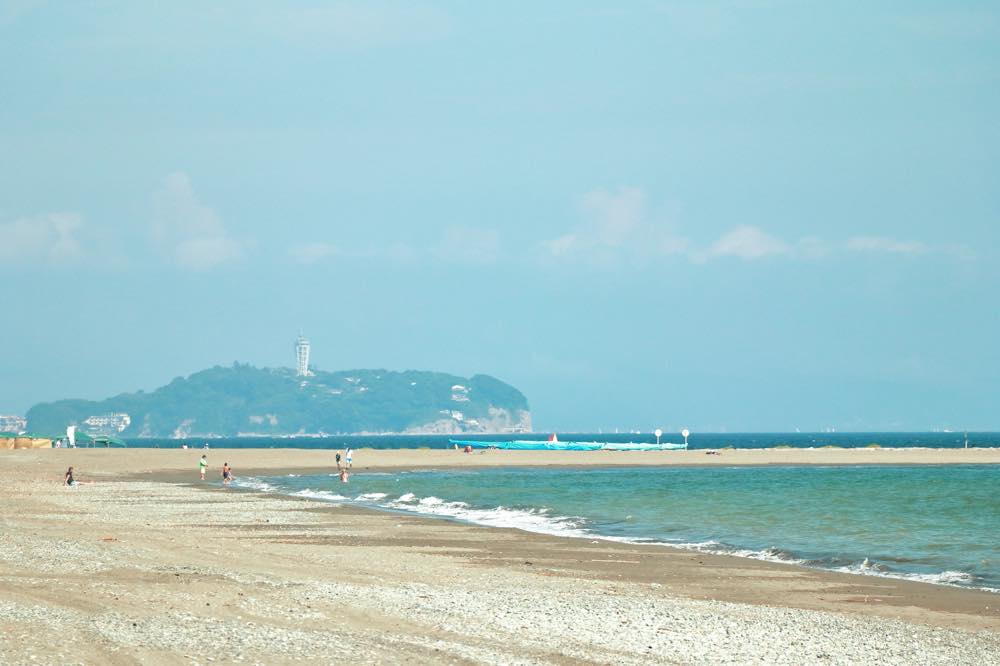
column 203, row 466
column 69, row 477
column 338, row 459
column 344, row 475
column 227, row 474
column 349, row 456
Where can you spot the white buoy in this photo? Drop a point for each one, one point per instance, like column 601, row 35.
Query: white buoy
column 684, row 433
column 658, row 434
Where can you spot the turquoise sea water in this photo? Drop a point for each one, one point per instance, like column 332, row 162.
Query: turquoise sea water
column 798, row 440
column 934, row 523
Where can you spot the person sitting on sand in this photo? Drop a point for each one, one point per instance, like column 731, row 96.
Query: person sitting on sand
column 69, row 477
column 227, row 474
column 203, row 466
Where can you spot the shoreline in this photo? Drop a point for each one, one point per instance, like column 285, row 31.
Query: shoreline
column 640, row 542
column 156, row 552
column 272, row 462
column 293, row 460
column 281, row 462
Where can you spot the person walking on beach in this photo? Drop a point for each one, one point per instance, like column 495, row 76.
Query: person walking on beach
column 338, row 459
column 227, row 474
column 349, row 457
column 203, row 466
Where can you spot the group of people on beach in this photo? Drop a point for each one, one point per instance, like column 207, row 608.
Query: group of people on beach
column 227, row 471
column 345, row 463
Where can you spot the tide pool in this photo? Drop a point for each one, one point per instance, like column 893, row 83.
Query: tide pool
column 933, row 523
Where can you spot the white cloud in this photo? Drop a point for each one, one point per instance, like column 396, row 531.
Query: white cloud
column 745, row 242
column 310, row 253
column 615, row 216
column 400, row 252
column 615, row 222
column 188, row 231
column 50, row 237
column 617, row 225
column 467, row 244
column 457, row 244
column 886, row 245
column 811, row 247
column 562, row 245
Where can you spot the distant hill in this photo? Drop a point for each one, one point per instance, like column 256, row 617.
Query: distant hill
column 244, row 400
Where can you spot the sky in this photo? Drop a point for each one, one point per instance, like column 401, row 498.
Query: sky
column 732, row 216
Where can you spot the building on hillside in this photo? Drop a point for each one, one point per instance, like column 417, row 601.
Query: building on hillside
column 106, row 423
column 12, row 423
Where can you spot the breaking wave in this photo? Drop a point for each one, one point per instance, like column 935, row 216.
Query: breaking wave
column 543, row 520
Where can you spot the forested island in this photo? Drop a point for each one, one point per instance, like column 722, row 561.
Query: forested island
column 245, row 400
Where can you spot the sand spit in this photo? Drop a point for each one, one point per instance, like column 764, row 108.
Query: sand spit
column 132, row 571
column 119, row 462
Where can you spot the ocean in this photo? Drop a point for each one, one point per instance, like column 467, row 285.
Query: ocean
column 937, row 524
column 847, row 440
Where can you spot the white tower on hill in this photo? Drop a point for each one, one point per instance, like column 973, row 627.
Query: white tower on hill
column 302, row 357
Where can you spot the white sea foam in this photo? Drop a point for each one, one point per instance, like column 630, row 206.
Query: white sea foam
column 950, row 578
column 530, row 520
column 541, row 520
column 253, row 483
column 864, row 568
column 324, row 495
column 369, row 497
column 716, row 548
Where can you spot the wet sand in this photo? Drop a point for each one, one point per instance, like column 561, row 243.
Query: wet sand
column 149, row 565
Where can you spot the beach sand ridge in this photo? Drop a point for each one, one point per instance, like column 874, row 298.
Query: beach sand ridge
column 138, row 568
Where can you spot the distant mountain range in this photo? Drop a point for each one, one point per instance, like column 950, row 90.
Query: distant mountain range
column 244, row 400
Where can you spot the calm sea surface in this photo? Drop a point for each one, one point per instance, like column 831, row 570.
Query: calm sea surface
column 949, row 440
column 934, row 523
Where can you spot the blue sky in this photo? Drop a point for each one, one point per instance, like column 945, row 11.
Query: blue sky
column 746, row 215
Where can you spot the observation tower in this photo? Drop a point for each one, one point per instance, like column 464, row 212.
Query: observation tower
column 302, row 357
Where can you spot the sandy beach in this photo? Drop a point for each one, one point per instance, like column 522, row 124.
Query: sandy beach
column 148, row 565
column 165, row 461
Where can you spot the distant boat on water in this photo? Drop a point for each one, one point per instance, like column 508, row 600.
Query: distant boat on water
column 553, row 444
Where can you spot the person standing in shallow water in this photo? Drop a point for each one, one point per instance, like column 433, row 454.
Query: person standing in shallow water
column 227, row 474
column 203, row 466
column 338, row 459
